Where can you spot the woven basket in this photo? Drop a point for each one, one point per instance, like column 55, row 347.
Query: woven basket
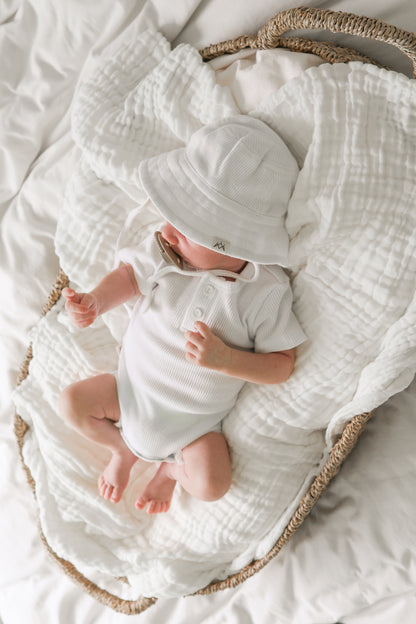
column 302, row 18
column 267, row 37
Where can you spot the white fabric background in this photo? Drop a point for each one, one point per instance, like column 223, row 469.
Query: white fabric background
column 360, row 531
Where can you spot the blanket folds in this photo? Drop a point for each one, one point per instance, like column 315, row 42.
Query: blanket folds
column 351, row 222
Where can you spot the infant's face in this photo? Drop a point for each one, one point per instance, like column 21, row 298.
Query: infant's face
column 196, row 255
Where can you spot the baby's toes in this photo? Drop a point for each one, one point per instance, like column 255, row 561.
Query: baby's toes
column 105, row 488
column 156, row 507
column 115, row 495
column 101, row 485
column 141, row 502
column 152, row 509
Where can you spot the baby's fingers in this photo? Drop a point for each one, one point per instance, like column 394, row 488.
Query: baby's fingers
column 191, row 348
column 71, row 295
column 68, row 292
column 77, row 309
column 84, row 323
column 194, row 338
column 82, row 320
column 202, row 329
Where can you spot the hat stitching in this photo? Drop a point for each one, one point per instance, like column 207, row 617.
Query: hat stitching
column 221, row 199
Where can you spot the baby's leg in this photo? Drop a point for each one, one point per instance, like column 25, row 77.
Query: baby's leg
column 205, row 474
column 91, row 407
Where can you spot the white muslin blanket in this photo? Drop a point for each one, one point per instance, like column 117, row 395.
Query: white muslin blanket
column 351, row 222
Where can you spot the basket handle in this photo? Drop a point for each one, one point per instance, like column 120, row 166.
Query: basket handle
column 337, row 22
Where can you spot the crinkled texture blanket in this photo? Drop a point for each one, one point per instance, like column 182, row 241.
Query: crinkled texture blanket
column 352, row 226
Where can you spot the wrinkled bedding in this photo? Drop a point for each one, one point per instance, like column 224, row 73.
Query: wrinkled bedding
column 353, row 273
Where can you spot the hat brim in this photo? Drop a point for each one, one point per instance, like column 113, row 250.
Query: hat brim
column 205, row 217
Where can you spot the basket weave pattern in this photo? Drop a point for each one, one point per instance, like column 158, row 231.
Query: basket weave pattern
column 302, row 18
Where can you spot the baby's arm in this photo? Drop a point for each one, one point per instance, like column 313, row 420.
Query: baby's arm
column 114, row 289
column 205, row 349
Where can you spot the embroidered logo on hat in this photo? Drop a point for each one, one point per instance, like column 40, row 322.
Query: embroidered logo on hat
column 221, row 245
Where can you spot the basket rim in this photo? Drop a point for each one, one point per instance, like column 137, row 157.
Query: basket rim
column 313, row 18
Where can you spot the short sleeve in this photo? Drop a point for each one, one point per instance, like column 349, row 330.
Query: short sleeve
column 145, row 259
column 277, row 328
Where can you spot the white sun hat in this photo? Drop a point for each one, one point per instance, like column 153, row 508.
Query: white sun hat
column 228, row 189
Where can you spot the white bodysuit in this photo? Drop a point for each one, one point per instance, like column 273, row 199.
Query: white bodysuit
column 165, row 401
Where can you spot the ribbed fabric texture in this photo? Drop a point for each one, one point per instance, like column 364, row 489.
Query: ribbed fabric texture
column 166, row 401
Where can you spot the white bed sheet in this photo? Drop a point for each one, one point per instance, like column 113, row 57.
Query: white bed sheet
column 354, row 559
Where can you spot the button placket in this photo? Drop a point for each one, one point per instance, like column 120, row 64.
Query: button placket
column 200, row 303
column 197, row 313
column 208, row 291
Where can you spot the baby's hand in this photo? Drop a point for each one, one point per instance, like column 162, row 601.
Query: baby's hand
column 81, row 307
column 205, row 348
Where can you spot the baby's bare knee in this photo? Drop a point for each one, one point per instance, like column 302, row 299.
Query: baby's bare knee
column 214, row 460
column 216, row 487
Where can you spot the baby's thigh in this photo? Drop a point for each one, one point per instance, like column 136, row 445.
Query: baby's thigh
column 95, row 396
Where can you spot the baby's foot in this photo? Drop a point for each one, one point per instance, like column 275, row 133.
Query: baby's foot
column 157, row 493
column 115, row 477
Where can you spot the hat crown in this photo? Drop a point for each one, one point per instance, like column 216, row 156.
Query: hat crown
column 228, row 189
column 245, row 162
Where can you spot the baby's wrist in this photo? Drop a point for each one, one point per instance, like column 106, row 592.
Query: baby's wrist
column 97, row 302
column 226, row 360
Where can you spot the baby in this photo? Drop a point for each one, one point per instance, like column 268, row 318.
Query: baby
column 212, row 311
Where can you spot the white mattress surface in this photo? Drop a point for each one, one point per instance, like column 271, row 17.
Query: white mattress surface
column 361, row 530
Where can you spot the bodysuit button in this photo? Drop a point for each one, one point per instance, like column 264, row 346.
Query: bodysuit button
column 208, row 290
column 197, row 313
